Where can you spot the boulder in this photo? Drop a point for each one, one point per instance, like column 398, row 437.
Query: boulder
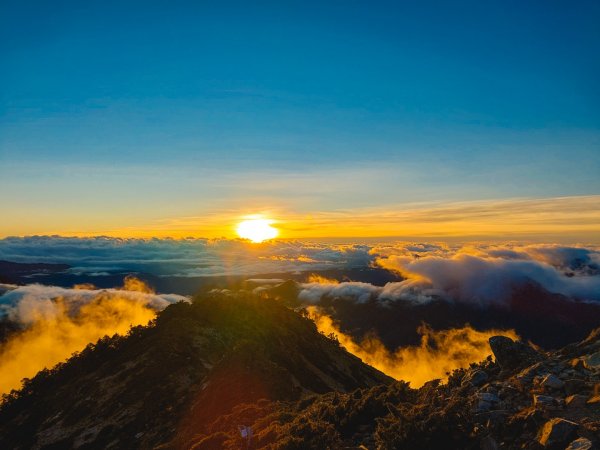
column 552, row 381
column 576, row 401
column 512, row 355
column 484, row 401
column 488, row 397
column 592, row 362
column 544, row 401
column 488, row 443
column 557, row 433
column 577, row 363
column 580, row 444
column 574, row 386
column 475, row 378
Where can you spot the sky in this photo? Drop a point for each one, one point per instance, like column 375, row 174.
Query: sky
column 336, row 119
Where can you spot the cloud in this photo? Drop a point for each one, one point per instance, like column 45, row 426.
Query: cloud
column 183, row 257
column 439, row 352
column 408, row 290
column 56, row 322
column 479, row 274
column 482, row 279
column 474, row 272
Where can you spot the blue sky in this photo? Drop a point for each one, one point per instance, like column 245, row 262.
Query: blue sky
column 116, row 113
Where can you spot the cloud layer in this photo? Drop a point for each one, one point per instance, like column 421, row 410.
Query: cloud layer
column 183, row 257
column 56, row 322
column 477, row 273
column 480, row 274
column 439, row 352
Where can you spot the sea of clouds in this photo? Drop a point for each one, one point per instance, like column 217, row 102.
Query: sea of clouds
column 474, row 272
column 182, row 257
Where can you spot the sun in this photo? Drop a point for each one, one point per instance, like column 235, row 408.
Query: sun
column 257, row 230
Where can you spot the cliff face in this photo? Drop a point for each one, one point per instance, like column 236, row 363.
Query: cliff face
column 165, row 383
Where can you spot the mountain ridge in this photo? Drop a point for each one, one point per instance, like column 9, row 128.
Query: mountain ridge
column 221, row 350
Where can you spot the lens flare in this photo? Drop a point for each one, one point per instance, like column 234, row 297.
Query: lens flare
column 257, row 230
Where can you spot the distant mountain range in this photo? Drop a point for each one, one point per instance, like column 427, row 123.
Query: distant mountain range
column 65, row 276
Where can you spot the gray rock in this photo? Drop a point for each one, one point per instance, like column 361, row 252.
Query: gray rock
column 510, row 354
column 580, row 444
column 496, row 416
column 552, row 382
column 574, row 386
column 557, row 433
column 488, row 443
column 488, row 397
column 475, row 378
column 482, row 406
column 576, row 401
column 544, row 401
column 577, row 364
column 592, row 362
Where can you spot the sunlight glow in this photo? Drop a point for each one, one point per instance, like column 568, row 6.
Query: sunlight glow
column 256, row 230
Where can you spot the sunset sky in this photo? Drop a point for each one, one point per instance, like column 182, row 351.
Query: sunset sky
column 356, row 119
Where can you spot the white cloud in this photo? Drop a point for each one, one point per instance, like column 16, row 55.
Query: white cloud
column 30, row 303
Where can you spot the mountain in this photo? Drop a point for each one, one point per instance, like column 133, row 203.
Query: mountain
column 525, row 399
column 65, row 276
column 167, row 383
column 13, row 272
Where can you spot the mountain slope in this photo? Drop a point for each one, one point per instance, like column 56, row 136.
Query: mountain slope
column 525, row 399
column 167, row 383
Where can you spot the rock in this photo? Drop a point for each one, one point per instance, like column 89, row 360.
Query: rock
column 488, row 397
column 557, row 432
column 526, row 376
column 544, row 401
column 510, row 354
column 552, row 382
column 580, row 444
column 475, row 378
column 576, row 401
column 482, row 406
column 577, row 363
column 592, row 362
column 492, row 418
column 488, row 443
column 485, row 401
column 574, row 386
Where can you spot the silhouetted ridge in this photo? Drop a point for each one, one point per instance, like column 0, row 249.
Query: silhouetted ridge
column 166, row 383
